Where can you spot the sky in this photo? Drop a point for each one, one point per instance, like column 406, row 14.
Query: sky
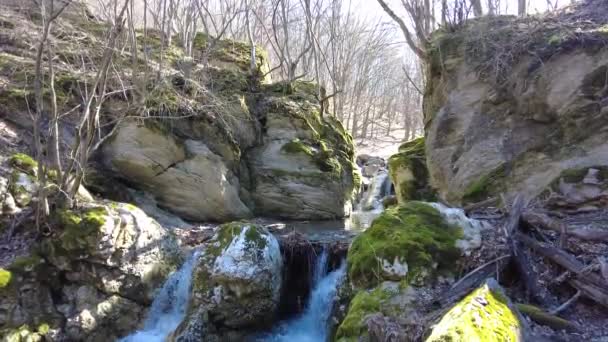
column 371, row 8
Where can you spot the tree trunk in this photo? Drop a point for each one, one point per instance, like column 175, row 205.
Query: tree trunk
column 477, row 10
column 521, row 7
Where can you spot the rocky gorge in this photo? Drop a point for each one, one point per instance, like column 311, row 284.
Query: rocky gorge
column 201, row 221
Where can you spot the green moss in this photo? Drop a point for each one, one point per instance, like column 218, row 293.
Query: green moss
column 5, row 278
column 414, row 234
column 26, row 263
column 24, row 334
column 80, row 230
column 409, row 173
column 228, row 231
column 297, row 146
column 43, row 329
column 486, row 186
column 364, row 303
column 484, row 315
column 24, row 163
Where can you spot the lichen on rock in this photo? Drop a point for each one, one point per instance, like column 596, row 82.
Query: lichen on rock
column 484, row 315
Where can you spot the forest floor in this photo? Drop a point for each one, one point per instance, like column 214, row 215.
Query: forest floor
column 381, row 145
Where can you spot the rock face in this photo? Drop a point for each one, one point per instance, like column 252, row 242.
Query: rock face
column 185, row 176
column 92, row 279
column 497, row 123
column 484, row 315
column 304, row 169
column 236, row 285
column 282, row 159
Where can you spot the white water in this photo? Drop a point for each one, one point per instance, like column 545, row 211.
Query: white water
column 169, row 307
column 378, row 189
column 312, row 325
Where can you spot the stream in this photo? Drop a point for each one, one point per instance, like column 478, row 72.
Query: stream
column 169, row 307
column 312, row 325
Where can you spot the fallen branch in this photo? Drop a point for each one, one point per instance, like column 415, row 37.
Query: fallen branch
column 590, row 284
column 566, row 304
column 544, row 221
column 545, row 318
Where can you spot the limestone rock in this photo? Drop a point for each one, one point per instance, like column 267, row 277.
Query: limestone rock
column 236, row 285
column 185, row 177
column 513, row 127
column 304, row 168
column 92, row 279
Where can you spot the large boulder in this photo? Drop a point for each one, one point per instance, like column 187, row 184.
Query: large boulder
column 304, row 169
column 184, row 176
column 236, row 284
column 283, row 159
column 394, row 266
column 93, row 278
column 500, row 122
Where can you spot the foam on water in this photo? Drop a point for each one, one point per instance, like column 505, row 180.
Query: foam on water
column 169, row 307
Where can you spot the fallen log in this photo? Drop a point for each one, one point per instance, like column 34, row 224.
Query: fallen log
column 519, row 255
column 545, row 222
column 590, row 284
column 545, row 318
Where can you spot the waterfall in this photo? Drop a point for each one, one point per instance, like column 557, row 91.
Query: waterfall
column 169, row 307
column 372, row 199
column 312, row 325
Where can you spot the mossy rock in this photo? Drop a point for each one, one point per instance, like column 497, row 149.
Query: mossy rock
column 484, row 315
column 79, row 234
column 409, row 173
column 353, row 327
column 5, row 278
column 224, row 235
column 25, row 334
column 486, row 186
column 24, row 163
column 413, row 237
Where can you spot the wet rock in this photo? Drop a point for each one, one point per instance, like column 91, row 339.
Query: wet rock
column 236, row 285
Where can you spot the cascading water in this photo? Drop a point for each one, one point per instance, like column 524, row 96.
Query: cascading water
column 312, row 325
column 169, row 307
column 378, row 189
column 370, row 205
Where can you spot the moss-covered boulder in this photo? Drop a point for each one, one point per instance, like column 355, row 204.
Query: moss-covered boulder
column 411, row 243
column 388, row 299
column 93, row 277
column 235, row 286
column 484, row 315
column 408, row 172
